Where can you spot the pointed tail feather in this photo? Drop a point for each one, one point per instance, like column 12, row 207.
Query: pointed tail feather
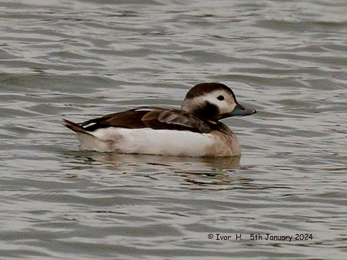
column 75, row 127
column 87, row 140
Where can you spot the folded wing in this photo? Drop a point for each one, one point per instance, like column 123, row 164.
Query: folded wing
column 150, row 117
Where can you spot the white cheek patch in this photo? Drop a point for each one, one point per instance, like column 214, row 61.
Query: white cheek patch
column 225, row 106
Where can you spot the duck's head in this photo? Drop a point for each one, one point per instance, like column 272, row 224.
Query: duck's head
column 213, row 101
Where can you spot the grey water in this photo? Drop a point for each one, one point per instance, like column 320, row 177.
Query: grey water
column 285, row 198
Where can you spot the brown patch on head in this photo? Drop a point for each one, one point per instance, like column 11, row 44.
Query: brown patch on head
column 202, row 88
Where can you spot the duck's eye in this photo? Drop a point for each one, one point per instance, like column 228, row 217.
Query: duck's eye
column 220, row 97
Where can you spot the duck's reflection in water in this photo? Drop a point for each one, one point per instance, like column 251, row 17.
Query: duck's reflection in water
column 194, row 171
column 121, row 161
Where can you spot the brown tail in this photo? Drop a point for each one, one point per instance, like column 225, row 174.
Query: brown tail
column 75, row 127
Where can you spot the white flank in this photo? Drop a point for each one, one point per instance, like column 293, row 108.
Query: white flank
column 147, row 141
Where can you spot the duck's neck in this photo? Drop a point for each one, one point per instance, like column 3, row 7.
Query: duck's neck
column 206, row 112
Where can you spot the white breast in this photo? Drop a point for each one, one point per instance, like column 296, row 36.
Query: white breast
column 158, row 142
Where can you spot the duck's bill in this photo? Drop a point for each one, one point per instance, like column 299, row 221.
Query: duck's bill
column 241, row 111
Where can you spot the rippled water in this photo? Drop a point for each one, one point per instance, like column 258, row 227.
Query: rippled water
column 79, row 59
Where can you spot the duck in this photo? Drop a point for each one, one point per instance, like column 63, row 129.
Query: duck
column 194, row 130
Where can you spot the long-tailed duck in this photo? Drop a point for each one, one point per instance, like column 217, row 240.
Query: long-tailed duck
column 193, row 130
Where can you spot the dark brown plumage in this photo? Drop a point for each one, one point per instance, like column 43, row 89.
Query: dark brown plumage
column 151, row 117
